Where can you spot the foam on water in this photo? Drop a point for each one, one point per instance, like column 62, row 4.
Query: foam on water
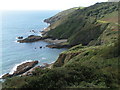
column 15, row 41
column 43, row 58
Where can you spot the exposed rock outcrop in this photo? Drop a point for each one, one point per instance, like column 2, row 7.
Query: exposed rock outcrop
column 21, row 69
column 7, row 75
column 25, row 67
column 61, row 43
column 56, row 41
column 31, row 71
column 31, row 38
column 63, row 58
column 58, row 46
column 20, row 37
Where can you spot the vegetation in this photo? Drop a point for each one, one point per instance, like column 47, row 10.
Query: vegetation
column 83, row 26
column 95, row 67
column 91, row 63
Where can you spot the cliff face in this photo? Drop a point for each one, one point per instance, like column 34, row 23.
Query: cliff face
column 64, row 58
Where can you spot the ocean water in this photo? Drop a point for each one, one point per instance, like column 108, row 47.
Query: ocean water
column 19, row 23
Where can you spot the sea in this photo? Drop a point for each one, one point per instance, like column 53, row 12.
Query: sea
column 20, row 23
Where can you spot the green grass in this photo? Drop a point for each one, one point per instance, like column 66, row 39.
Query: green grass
column 80, row 25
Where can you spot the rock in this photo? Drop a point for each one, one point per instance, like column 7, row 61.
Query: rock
column 21, row 69
column 20, row 37
column 55, row 41
column 7, row 76
column 58, row 46
column 30, row 72
column 31, row 38
column 46, row 64
column 24, row 67
column 33, row 31
column 63, row 58
column 51, row 46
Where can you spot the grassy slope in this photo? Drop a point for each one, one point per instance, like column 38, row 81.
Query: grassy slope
column 95, row 67
column 81, row 24
column 60, row 15
column 81, row 66
column 59, row 18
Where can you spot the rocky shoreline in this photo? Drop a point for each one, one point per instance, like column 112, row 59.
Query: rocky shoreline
column 31, row 71
column 58, row 46
column 54, row 43
column 31, row 38
column 27, row 69
column 21, row 69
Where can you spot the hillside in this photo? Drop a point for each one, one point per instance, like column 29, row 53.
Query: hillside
column 92, row 62
column 79, row 67
column 59, row 18
column 87, row 26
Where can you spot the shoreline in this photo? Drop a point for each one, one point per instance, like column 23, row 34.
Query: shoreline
column 49, row 40
column 56, row 41
column 20, row 68
column 27, row 72
column 34, row 38
column 41, row 37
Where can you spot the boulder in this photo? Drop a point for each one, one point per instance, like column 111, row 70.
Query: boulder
column 40, row 46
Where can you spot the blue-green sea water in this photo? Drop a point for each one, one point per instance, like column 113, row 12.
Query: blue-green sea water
column 19, row 23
